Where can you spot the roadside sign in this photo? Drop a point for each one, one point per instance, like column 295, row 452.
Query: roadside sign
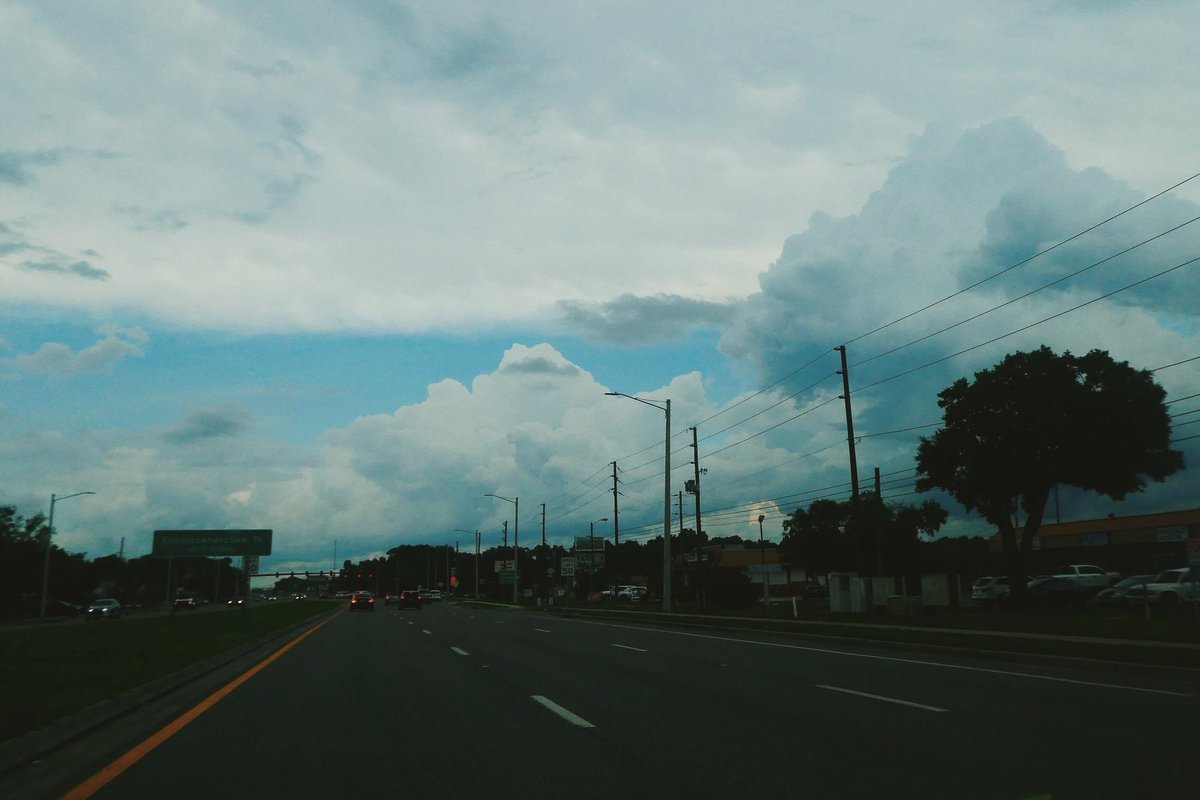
column 566, row 568
column 589, row 543
column 501, row 566
column 589, row 562
column 182, row 544
column 250, row 565
column 508, row 577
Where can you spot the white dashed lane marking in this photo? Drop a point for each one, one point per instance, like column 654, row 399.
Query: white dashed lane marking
column 574, row 719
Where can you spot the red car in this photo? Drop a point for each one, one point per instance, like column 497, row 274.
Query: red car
column 362, row 601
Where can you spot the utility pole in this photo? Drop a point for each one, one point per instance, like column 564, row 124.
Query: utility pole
column 699, row 528
column 845, row 373
column 505, row 534
column 476, row 564
column 617, row 530
column 878, row 520
column 545, row 578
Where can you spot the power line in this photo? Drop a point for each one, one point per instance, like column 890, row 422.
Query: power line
column 1038, row 254
column 1176, row 364
column 1032, row 324
column 1030, row 293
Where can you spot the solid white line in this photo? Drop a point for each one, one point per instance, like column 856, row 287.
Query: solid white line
column 460, row 651
column 427, row 633
column 627, row 647
column 574, row 719
column 896, row 659
column 880, row 697
column 541, row 630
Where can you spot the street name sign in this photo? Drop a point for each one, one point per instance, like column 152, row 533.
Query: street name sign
column 184, row 544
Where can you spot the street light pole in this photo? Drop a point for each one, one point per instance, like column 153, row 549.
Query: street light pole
column 516, row 501
column 666, row 407
column 46, row 561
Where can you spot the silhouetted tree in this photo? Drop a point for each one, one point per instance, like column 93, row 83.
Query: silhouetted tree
column 1037, row 419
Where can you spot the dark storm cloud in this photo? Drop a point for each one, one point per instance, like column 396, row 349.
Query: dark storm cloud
column 207, row 424
column 81, row 269
column 1138, row 244
column 638, row 320
column 540, row 366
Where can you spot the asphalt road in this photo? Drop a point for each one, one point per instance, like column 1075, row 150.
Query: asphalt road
column 453, row 701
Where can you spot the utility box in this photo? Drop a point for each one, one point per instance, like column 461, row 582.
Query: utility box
column 847, row 593
column 940, row 591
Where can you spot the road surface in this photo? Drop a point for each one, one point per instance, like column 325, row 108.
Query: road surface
column 462, row 702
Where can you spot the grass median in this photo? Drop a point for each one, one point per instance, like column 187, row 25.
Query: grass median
column 52, row 671
column 1168, row 639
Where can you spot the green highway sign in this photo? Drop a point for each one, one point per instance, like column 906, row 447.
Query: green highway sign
column 508, row 576
column 182, row 544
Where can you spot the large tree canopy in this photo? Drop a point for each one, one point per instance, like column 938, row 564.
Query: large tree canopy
column 869, row 536
column 1037, row 419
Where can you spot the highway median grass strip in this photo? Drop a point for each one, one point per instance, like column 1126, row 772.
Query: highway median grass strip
column 1173, row 641
column 52, row 671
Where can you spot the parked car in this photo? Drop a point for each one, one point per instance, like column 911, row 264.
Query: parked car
column 1051, row 592
column 1118, row 593
column 632, row 594
column 409, row 598
column 104, row 608
column 432, row 595
column 990, row 589
column 1168, row 588
column 362, row 601
column 1085, row 576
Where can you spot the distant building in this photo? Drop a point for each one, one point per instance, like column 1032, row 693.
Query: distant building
column 1143, row 543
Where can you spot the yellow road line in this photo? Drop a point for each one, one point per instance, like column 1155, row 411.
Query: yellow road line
column 93, row 784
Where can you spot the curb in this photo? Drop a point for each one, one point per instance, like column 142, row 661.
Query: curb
column 29, row 747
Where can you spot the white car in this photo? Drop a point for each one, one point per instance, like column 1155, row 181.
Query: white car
column 432, row 595
column 632, row 593
column 990, row 589
column 1169, row 588
column 1085, row 576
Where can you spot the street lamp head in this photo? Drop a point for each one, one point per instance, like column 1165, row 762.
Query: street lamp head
column 761, row 517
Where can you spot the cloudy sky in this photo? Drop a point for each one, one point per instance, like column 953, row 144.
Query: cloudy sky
column 340, row 269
